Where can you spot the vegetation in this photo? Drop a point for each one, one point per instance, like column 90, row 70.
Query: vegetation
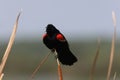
column 96, row 60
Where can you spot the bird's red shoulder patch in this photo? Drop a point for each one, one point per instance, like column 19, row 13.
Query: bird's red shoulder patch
column 60, row 37
column 45, row 35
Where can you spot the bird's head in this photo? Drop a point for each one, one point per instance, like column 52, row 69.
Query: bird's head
column 51, row 30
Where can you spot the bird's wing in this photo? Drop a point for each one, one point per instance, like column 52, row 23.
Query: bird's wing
column 46, row 41
column 60, row 38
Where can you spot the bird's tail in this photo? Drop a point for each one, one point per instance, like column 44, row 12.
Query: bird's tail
column 66, row 57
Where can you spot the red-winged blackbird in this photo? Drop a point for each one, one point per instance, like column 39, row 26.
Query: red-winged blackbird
column 55, row 40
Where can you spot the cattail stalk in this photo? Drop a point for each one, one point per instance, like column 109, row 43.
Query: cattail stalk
column 59, row 69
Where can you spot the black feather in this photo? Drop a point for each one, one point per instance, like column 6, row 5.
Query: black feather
column 65, row 56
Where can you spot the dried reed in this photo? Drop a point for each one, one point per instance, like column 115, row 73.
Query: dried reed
column 112, row 46
column 1, row 76
column 114, row 77
column 59, row 68
column 6, row 54
column 40, row 64
column 95, row 61
column 43, row 61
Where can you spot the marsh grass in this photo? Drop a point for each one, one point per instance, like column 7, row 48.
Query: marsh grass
column 111, row 54
column 9, row 47
column 1, row 76
column 114, row 77
column 40, row 64
column 59, row 69
column 60, row 75
column 112, row 47
column 43, row 61
column 95, row 61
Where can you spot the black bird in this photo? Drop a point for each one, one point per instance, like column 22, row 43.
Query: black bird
column 55, row 40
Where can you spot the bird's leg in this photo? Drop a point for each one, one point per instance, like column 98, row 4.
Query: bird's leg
column 56, row 55
column 54, row 51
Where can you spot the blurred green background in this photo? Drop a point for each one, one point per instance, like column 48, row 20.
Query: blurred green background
column 81, row 21
column 26, row 54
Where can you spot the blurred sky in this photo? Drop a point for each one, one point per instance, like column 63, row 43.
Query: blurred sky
column 74, row 18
